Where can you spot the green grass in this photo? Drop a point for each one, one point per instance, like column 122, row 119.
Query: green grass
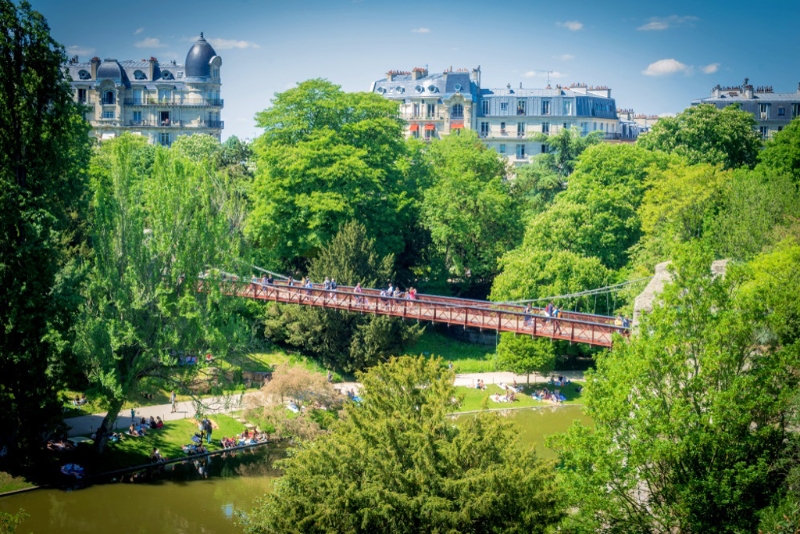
column 132, row 451
column 476, row 399
column 12, row 483
column 466, row 357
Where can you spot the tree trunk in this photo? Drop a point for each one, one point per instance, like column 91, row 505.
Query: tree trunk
column 529, row 378
column 101, row 437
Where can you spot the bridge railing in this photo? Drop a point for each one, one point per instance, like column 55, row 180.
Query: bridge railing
column 506, row 318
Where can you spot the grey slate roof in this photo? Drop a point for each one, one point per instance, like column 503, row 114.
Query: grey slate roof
column 442, row 85
column 762, row 97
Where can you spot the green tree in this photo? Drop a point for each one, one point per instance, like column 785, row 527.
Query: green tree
column 524, row 355
column 44, row 147
column 152, row 235
column 468, row 210
column 690, row 415
column 705, row 134
column 9, row 523
column 564, row 148
column 396, row 464
column 338, row 338
column 327, row 157
column 781, row 153
column 198, row 148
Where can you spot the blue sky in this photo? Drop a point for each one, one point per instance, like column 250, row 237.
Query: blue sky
column 656, row 56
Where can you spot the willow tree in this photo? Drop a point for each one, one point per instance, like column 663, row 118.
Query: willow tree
column 154, row 230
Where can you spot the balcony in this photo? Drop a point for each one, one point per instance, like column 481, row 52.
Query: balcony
column 520, row 134
column 157, row 124
column 209, row 124
column 209, row 102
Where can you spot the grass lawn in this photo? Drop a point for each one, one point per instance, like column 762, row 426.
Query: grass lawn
column 12, row 483
column 466, row 357
column 474, row 399
column 132, row 451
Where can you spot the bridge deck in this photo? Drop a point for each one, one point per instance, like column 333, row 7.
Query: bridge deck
column 570, row 326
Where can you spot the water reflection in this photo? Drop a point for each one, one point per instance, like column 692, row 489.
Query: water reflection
column 177, row 500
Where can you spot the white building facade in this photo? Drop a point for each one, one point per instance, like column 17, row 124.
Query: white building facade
column 439, row 104
column 160, row 101
column 772, row 111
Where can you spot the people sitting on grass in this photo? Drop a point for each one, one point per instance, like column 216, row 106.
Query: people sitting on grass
column 133, row 431
column 545, row 394
column 156, row 456
column 159, row 423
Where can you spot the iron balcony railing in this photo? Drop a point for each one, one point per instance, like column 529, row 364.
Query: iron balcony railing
column 208, row 102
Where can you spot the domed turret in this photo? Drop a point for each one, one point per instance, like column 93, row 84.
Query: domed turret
column 110, row 69
column 198, row 60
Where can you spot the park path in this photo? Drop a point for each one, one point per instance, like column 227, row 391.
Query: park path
column 86, row 424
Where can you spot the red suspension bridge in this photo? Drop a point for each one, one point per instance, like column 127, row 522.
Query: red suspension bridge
column 503, row 317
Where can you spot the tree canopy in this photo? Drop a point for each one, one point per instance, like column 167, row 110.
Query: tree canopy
column 468, row 210
column 327, row 157
column 44, row 150
column 690, row 415
column 395, row 464
column 781, row 153
column 705, row 134
column 152, row 235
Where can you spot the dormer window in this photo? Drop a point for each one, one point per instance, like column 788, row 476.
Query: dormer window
column 419, row 89
column 400, row 90
column 83, row 74
column 215, row 73
column 457, row 87
column 139, row 75
column 166, row 75
column 432, row 88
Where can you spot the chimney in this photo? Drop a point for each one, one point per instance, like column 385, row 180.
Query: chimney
column 418, row 72
column 716, row 92
column 476, row 77
column 95, row 63
column 152, row 67
column 390, row 76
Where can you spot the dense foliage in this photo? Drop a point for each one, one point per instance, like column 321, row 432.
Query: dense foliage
column 396, row 464
column 44, row 151
column 152, row 233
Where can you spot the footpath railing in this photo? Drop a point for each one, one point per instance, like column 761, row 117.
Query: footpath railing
column 574, row 327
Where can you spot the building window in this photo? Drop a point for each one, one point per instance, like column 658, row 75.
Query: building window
column 567, row 107
column 109, row 97
column 544, row 149
column 781, row 111
column 108, row 113
column 215, row 73
column 84, row 75
column 428, row 134
column 164, row 96
column 545, row 127
column 502, row 127
column 139, row 75
column 415, row 110
column 520, row 107
column 457, row 112
column 137, row 118
column 520, row 151
column 484, row 129
column 502, row 149
column 584, row 128
column 594, row 126
column 164, row 119
column 763, row 110
column 565, row 126
column 485, row 107
column 764, row 131
column 780, row 128
column 415, row 134
column 431, row 110
column 795, row 110
column 166, row 75
column 82, row 96
column 503, row 107
column 545, row 107
column 163, row 139
column 520, row 129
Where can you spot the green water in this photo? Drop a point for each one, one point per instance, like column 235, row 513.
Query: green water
column 186, row 503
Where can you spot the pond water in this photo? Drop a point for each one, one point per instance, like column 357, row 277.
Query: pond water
column 183, row 502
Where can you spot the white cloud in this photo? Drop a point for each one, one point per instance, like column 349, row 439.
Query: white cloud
column 565, row 57
column 711, row 68
column 149, row 42
column 571, row 25
column 79, row 50
column 421, row 30
column 229, row 44
column 664, row 67
column 664, row 23
column 137, row 32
